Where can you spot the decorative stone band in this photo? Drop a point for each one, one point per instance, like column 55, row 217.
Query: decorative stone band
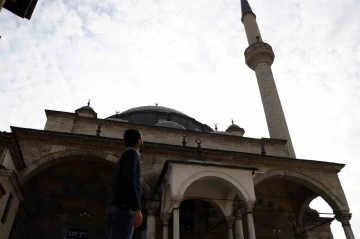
column 249, row 206
column 258, row 52
column 176, row 202
column 344, row 218
column 239, row 214
column 165, row 218
column 152, row 206
column 230, row 221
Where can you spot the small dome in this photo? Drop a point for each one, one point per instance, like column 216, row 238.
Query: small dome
column 86, row 107
column 170, row 124
column 86, row 111
column 220, row 132
column 235, row 130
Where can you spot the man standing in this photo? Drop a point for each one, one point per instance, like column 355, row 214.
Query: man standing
column 124, row 211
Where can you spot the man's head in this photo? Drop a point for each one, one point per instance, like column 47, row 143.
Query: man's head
column 132, row 138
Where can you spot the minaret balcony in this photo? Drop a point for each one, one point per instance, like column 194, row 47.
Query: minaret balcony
column 258, row 52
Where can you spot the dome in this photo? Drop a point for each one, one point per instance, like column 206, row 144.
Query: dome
column 236, row 130
column 86, row 108
column 233, row 126
column 156, row 108
column 155, row 115
column 170, row 124
column 86, row 111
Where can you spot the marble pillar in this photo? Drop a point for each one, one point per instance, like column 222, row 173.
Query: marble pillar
column 344, row 218
column 151, row 207
column 230, row 223
column 165, row 219
column 239, row 232
column 250, row 219
column 176, row 217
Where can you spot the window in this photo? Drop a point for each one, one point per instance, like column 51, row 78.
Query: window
column 75, row 234
column 7, row 209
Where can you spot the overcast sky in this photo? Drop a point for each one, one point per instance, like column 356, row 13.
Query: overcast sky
column 188, row 55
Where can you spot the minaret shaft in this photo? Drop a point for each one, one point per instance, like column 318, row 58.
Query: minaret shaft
column 251, row 28
column 259, row 56
column 274, row 113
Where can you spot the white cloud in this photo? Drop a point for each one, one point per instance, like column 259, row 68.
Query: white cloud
column 188, row 55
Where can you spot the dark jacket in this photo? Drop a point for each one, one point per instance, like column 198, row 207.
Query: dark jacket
column 126, row 182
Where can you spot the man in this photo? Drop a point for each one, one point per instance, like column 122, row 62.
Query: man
column 124, row 212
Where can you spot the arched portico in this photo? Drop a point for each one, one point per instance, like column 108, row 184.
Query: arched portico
column 217, row 184
column 57, row 158
column 85, row 161
column 336, row 202
column 84, row 155
column 326, row 186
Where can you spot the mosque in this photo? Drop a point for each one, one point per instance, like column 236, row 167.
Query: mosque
column 198, row 183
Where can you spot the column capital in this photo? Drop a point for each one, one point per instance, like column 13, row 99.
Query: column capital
column 230, row 221
column 249, row 206
column 176, row 201
column 151, row 206
column 343, row 217
column 239, row 214
column 165, row 217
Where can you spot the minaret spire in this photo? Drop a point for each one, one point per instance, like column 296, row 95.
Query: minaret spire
column 259, row 56
column 245, row 7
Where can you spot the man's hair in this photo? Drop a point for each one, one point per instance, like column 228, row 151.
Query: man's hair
column 131, row 137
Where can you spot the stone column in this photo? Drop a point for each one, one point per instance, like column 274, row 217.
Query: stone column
column 250, row 219
column 176, row 217
column 151, row 207
column 230, row 222
column 165, row 219
column 344, row 218
column 239, row 232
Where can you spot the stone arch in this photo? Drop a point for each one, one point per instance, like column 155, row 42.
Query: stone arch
column 64, row 156
column 335, row 203
column 212, row 202
column 303, row 209
column 219, row 176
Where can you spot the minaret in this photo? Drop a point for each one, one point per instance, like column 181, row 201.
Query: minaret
column 259, row 56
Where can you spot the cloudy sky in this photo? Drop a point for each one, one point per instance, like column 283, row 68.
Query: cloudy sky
column 188, row 55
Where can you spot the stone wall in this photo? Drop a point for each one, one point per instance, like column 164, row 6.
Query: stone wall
column 71, row 123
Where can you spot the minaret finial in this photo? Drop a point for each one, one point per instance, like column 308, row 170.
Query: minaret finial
column 88, row 102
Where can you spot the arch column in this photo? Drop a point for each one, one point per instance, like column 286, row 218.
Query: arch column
column 250, row 219
column 165, row 219
column 239, row 232
column 344, row 218
column 151, row 207
column 176, row 217
column 230, row 222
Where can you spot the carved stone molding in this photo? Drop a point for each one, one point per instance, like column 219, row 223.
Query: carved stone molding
column 165, row 217
column 239, row 214
column 343, row 217
column 176, row 202
column 230, row 221
column 152, row 206
column 258, row 52
column 249, row 206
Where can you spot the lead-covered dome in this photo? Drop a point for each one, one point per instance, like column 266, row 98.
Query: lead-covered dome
column 158, row 116
column 170, row 124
